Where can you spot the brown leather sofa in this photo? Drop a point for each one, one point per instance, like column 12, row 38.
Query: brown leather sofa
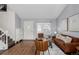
column 67, row 47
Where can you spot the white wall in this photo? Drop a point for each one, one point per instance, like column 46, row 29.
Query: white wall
column 10, row 22
column 7, row 23
column 42, row 20
column 53, row 27
column 18, row 28
column 67, row 12
column 29, row 30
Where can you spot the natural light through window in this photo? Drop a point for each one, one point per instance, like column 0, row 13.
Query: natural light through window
column 44, row 28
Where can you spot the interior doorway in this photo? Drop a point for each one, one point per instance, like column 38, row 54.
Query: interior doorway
column 28, row 30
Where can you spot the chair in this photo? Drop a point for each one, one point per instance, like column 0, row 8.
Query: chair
column 41, row 45
column 40, row 35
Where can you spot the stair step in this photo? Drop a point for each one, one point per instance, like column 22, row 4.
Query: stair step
column 1, row 32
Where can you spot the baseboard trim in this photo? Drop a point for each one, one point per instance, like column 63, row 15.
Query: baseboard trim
column 28, row 39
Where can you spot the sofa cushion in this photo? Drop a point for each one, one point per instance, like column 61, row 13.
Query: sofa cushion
column 59, row 36
column 67, row 39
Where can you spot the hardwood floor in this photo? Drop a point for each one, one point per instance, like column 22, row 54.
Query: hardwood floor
column 22, row 48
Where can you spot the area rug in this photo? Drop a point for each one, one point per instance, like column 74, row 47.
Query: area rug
column 55, row 50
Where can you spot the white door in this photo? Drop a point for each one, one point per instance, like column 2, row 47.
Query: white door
column 28, row 30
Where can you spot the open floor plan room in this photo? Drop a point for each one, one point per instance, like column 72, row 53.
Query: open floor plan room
column 39, row 29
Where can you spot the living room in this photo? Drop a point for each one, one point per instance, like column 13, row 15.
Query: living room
column 54, row 27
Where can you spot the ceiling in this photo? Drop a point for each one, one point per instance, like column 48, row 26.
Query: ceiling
column 25, row 11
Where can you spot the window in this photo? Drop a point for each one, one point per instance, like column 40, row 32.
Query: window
column 44, row 28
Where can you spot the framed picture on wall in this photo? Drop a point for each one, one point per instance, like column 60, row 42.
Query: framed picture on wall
column 3, row 7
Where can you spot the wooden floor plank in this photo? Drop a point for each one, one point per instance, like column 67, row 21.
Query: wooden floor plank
column 22, row 48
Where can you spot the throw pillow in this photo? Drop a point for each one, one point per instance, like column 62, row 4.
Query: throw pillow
column 67, row 39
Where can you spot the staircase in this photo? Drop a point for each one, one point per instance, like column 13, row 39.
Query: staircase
column 1, row 32
column 10, row 42
column 5, row 41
